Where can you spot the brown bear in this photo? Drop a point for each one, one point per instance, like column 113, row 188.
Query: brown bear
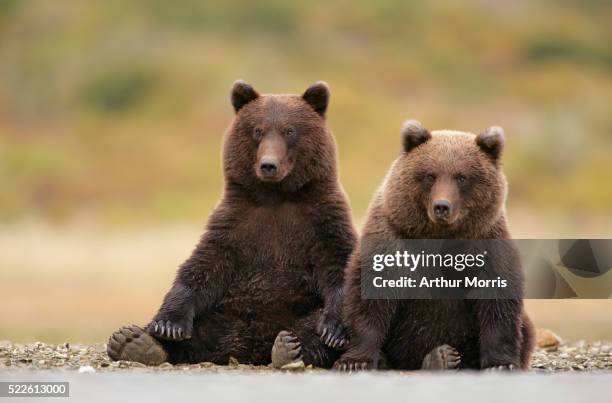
column 268, row 270
column 444, row 185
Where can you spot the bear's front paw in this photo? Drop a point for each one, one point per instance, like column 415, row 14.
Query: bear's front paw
column 170, row 330
column 331, row 331
column 504, row 368
column 347, row 364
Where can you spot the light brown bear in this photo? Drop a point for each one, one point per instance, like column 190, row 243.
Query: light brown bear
column 444, row 185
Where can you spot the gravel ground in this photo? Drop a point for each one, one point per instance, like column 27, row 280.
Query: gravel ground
column 556, row 357
column 582, row 373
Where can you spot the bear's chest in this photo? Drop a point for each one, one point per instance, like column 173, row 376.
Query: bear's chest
column 274, row 237
column 273, row 255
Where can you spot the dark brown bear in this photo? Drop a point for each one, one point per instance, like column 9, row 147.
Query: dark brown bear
column 444, row 185
column 270, row 264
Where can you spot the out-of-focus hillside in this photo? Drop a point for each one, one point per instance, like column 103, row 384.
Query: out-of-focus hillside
column 115, row 110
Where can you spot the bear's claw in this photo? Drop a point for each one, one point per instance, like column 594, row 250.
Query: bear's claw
column 334, row 339
column 286, row 349
column 132, row 343
column 508, row 367
column 168, row 330
column 350, row 365
column 441, row 358
column 331, row 331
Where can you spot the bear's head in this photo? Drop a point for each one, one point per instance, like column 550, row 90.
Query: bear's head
column 279, row 143
column 446, row 183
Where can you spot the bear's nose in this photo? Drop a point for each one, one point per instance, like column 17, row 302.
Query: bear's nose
column 268, row 167
column 441, row 208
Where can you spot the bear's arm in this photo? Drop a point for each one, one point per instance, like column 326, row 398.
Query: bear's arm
column 500, row 319
column 335, row 240
column 201, row 281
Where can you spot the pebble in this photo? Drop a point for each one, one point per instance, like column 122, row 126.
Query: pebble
column 547, row 339
column 86, row 369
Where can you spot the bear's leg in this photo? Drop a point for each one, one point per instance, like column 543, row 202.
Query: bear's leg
column 132, row 343
column 500, row 334
column 528, row 344
column 217, row 337
column 301, row 342
column 442, row 358
column 200, row 283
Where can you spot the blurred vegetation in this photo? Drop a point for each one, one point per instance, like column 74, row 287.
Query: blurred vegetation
column 115, row 110
column 112, row 112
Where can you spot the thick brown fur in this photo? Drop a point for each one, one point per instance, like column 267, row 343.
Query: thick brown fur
column 465, row 171
column 275, row 247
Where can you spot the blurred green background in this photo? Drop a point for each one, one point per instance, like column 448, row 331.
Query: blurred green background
column 112, row 112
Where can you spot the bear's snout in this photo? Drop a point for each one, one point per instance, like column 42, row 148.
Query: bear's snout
column 442, row 209
column 269, row 167
column 445, row 201
column 272, row 163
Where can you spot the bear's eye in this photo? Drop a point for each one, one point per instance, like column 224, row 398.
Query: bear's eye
column 460, row 178
column 257, row 133
column 430, row 177
column 290, row 131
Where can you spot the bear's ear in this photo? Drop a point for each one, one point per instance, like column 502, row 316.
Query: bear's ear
column 491, row 141
column 317, row 96
column 242, row 94
column 413, row 134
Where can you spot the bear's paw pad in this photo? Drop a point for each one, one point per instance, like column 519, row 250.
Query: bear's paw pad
column 132, row 343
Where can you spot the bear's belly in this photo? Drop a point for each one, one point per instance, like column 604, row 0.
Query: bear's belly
column 263, row 293
column 422, row 325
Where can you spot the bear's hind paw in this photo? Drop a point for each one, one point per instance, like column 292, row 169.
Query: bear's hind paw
column 131, row 343
column 287, row 349
column 443, row 357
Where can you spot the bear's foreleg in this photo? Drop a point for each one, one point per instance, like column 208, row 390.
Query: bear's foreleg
column 368, row 322
column 500, row 333
column 200, row 282
column 500, row 320
column 337, row 240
